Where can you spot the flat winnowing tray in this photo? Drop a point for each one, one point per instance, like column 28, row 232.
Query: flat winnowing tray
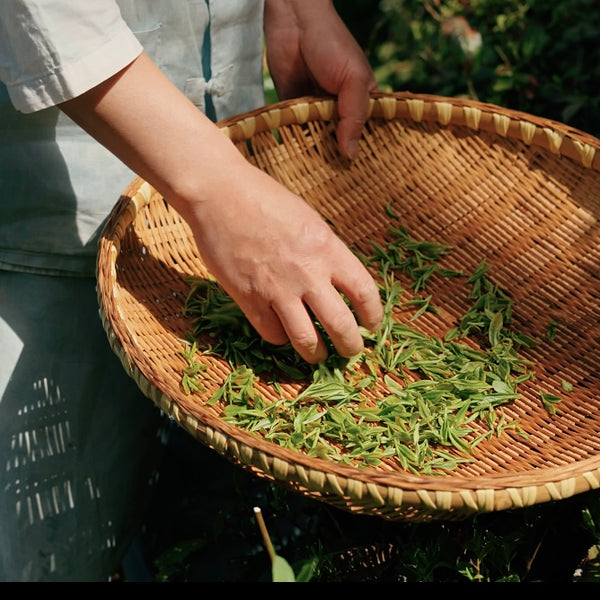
column 516, row 190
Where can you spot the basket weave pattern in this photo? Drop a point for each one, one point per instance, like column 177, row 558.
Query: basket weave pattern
column 520, row 191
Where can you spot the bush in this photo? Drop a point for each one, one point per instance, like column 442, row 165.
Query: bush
column 537, row 56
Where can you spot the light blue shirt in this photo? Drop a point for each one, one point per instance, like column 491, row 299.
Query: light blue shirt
column 78, row 442
column 57, row 184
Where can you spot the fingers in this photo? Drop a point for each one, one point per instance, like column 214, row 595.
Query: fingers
column 302, row 331
column 363, row 294
column 291, row 318
column 353, row 108
column 267, row 324
column 337, row 319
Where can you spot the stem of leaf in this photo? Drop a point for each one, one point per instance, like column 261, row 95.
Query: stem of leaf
column 265, row 533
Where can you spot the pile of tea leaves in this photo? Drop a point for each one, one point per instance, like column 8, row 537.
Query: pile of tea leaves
column 423, row 401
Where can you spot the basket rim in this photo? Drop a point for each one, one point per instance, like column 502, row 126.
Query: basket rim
column 533, row 130
column 385, row 493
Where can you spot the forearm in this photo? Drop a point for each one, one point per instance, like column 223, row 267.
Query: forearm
column 153, row 128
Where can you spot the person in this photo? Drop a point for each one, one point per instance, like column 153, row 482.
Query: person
column 93, row 93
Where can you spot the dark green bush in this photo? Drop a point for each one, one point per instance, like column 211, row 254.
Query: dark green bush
column 537, row 56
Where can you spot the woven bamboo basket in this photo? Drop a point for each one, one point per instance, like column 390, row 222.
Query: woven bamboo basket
column 520, row 191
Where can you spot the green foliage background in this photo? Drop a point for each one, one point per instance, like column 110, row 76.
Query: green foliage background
column 537, row 56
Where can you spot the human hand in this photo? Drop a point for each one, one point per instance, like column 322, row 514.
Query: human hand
column 310, row 51
column 289, row 274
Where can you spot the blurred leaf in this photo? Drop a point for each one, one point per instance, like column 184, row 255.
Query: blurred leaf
column 282, row 571
column 307, row 570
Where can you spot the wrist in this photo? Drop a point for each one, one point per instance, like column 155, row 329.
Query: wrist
column 297, row 12
column 203, row 183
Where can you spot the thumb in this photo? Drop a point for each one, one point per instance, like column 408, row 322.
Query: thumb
column 353, row 109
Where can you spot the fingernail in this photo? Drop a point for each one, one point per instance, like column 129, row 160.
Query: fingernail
column 352, row 149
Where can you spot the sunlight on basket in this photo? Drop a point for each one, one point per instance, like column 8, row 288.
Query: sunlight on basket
column 518, row 192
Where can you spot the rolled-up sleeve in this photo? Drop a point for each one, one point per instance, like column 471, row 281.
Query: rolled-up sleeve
column 54, row 50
